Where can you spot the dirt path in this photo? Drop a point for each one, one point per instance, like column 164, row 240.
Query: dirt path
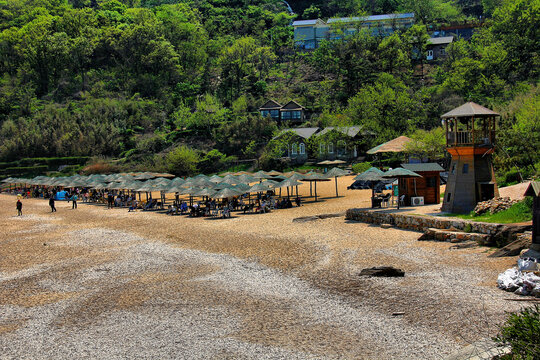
column 97, row 283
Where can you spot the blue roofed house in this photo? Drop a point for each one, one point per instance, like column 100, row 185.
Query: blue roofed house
column 309, row 33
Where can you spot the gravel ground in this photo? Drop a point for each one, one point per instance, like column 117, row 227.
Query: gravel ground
column 96, row 283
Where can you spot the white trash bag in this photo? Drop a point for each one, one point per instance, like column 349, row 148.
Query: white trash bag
column 527, row 264
column 509, row 280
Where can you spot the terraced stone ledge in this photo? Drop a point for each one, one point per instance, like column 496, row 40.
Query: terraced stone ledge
column 502, row 233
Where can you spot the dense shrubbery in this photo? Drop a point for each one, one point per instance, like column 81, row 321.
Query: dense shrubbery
column 135, row 79
column 182, row 161
column 361, row 167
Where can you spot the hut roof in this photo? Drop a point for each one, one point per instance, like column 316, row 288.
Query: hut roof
column 440, row 40
column 270, row 105
column 469, row 109
column 533, row 189
column 305, row 133
column 292, row 105
column 351, row 131
column 422, row 167
column 395, row 145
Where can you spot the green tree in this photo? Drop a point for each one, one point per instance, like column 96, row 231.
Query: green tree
column 427, row 144
column 312, row 12
column 242, row 64
column 182, row 161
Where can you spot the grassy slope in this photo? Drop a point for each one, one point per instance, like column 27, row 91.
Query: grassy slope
column 519, row 212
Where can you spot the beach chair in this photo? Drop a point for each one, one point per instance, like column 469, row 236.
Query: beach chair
column 386, row 199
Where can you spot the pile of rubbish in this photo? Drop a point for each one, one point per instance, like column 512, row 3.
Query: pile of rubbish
column 522, row 279
column 494, row 205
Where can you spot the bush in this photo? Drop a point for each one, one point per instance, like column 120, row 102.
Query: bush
column 215, row 161
column 182, row 161
column 100, row 166
column 361, row 167
column 510, row 177
column 522, row 333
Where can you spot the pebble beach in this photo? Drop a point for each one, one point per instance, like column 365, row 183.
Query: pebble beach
column 94, row 283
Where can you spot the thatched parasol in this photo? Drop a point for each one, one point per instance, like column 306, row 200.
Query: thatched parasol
column 335, row 173
column 314, row 177
column 400, row 173
column 227, row 193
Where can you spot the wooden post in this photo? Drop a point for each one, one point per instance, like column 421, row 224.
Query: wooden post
column 473, row 137
column 455, row 132
column 315, row 190
column 446, row 123
column 335, row 178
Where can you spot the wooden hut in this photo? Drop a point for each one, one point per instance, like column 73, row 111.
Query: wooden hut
column 424, row 190
column 534, row 191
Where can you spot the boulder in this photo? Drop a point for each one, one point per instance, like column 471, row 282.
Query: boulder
column 382, row 271
column 506, row 234
column 514, row 248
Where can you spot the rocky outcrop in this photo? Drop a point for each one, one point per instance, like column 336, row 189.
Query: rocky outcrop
column 494, row 205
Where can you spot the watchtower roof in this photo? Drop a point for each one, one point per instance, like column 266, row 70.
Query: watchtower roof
column 468, row 110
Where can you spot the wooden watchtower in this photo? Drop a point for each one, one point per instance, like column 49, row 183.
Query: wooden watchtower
column 470, row 139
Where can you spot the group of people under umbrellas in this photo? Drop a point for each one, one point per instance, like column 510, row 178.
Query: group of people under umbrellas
column 230, row 190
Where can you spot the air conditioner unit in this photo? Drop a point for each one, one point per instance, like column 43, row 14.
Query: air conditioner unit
column 418, row 200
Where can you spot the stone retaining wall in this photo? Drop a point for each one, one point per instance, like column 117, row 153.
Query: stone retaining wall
column 421, row 223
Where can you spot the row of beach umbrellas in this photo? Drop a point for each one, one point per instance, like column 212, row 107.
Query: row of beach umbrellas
column 214, row 186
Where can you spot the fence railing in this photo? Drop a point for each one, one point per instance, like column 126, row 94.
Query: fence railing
column 477, row 137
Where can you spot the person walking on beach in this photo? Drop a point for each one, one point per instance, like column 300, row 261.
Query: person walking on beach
column 51, row 204
column 74, row 200
column 19, row 207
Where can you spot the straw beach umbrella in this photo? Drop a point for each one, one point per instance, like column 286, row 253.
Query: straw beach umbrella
column 289, row 183
column 335, row 173
column 372, row 175
column 227, row 193
column 315, row 177
column 400, row 173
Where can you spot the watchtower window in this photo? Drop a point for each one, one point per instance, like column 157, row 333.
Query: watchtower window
column 465, row 168
column 448, row 197
column 453, row 168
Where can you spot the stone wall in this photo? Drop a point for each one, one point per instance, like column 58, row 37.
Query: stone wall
column 421, row 223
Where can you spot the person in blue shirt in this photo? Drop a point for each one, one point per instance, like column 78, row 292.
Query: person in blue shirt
column 74, row 201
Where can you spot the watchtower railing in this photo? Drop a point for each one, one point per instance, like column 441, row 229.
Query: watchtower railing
column 469, row 138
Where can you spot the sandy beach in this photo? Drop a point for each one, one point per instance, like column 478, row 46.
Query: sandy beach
column 96, row 283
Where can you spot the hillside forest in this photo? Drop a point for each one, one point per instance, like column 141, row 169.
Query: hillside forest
column 175, row 85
